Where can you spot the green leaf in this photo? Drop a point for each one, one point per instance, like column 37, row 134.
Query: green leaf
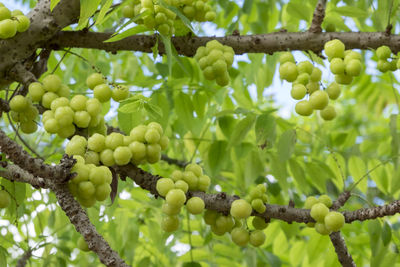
column 286, row 145
column 265, row 130
column 297, row 172
column 153, row 111
column 168, row 50
column 298, row 11
column 351, row 11
column 130, row 107
column 3, row 256
column 127, row 33
column 217, row 156
column 184, row 19
column 184, row 109
column 191, row 264
column 386, row 234
column 103, row 11
column 379, row 175
column 53, row 4
column 88, row 8
column 227, row 125
column 241, row 130
column 337, row 164
column 358, row 169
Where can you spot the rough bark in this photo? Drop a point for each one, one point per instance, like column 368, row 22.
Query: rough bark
column 343, row 254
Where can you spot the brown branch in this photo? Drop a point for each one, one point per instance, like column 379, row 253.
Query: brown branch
column 261, row 43
column 372, row 213
column 24, row 258
column 80, row 220
column 36, row 166
column 341, row 200
column 343, row 254
column 177, row 162
column 318, row 17
column 15, row 173
column 20, row 74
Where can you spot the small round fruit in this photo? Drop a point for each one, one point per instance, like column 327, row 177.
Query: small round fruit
column 259, row 223
column 138, row 133
column 64, row 115
column 304, row 108
column 153, row 153
column 191, row 179
column 138, row 150
column 96, row 142
column 5, row 13
column 128, row 11
column 164, row 141
column 319, row 100
column 240, row 236
column 305, row 67
column 328, row 113
column 19, row 103
column 353, row 67
column 152, row 136
column 102, row 92
column 258, row 205
column 122, row 155
column 23, row 23
column 383, row 52
column 298, row 91
column 310, row 201
column 92, row 157
column 343, row 79
column 210, row 217
column 47, row 98
column 93, row 106
column 8, row 28
column 257, row 238
column 51, row 83
column 326, row 200
column 203, row 183
column 36, row 91
column 334, row 49
column 303, row 78
column 286, row 57
column 102, row 192
column 82, row 245
column 28, row 127
column 82, row 119
column 64, row 91
column 119, row 93
column 175, row 197
column 318, row 212
column 320, row 227
column 312, row 87
column 195, row 205
column 107, row 157
column 182, row 185
column 5, row 199
column 114, row 140
column 240, row 209
column 170, row 210
column 337, row 66
column 333, row 90
column 170, row 223
column 86, row 189
column 98, row 176
column 66, row 131
column 316, row 75
column 94, row 79
column 78, row 102
column 59, row 102
column 196, row 169
column 334, row 221
column 288, row 71
column 164, row 185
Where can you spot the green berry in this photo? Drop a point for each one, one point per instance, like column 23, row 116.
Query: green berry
column 333, row 91
column 298, row 91
column 288, row 71
column 240, row 209
column 310, row 201
column 164, row 185
column 334, row 49
column 114, row 140
column 51, row 83
column 196, row 169
column 8, row 28
column 122, row 155
column 319, row 100
column 326, row 200
column 102, row 192
column 259, row 223
column 175, row 197
column 23, row 23
column 286, row 57
column 102, row 92
column 383, row 52
column 94, row 79
column 36, row 91
column 96, row 142
column 318, row 212
column 170, row 210
column 240, row 236
column 82, row 245
column 170, row 223
column 334, row 221
column 107, row 157
column 19, row 103
column 182, row 185
column 195, row 205
column 321, row 228
column 328, row 113
column 5, row 199
column 119, row 93
column 257, row 238
column 304, row 108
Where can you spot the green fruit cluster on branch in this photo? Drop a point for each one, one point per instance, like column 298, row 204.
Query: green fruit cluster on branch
column 24, row 112
column 91, row 183
column 214, row 60
column 326, row 221
column 193, row 176
column 384, row 53
column 5, row 199
column 258, row 198
column 158, row 16
column 144, row 144
column 103, row 92
column 12, row 22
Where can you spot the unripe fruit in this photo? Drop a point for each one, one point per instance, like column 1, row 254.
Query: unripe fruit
column 225, row 223
column 318, row 212
column 310, row 201
column 333, row 90
column 64, row 91
column 286, row 57
column 170, row 223
column 122, row 155
column 240, row 209
column 182, row 185
column 288, row 71
column 343, row 79
column 102, row 192
column 203, row 183
column 305, row 67
column 138, row 150
column 153, row 153
column 257, row 238
column 312, row 87
column 210, row 217
column 114, row 140
column 82, row 245
column 92, row 157
column 223, row 79
column 175, row 197
column 219, row 67
column 337, row 66
column 319, row 100
column 258, row 205
column 191, row 179
column 196, row 169
column 303, row 78
column 164, row 141
column 59, row 102
column 86, row 189
column 321, row 228
column 28, row 127
column 78, row 102
column 316, row 75
column 66, row 131
column 19, row 103
column 23, row 23
column 334, row 221
column 96, row 142
column 51, row 83
column 102, row 92
column 240, row 236
column 93, row 106
column 138, row 133
column 51, row 126
column 36, row 91
column 107, row 157
column 87, row 203
column 119, row 93
column 64, row 116
column 5, row 13
column 353, row 67
column 328, row 113
column 334, row 49
column 8, row 28
column 48, row 98
column 304, row 108
column 5, row 199
column 98, row 176
column 195, row 205
column 94, row 79
column 164, row 185
column 82, row 119
column 128, row 11
column 259, row 223
column 152, row 136
column 298, row 91
column 16, row 12
column 326, row 200
column 383, row 52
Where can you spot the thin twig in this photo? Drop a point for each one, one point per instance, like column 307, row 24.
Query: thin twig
column 342, row 252
column 318, row 17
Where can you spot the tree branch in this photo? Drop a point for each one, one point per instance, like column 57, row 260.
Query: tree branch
column 24, row 258
column 372, row 213
column 15, row 173
column 177, row 162
column 318, row 17
column 341, row 200
column 262, row 43
column 343, row 254
column 36, row 166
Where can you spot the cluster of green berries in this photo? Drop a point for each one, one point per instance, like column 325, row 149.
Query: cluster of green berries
column 345, row 64
column 384, row 54
column 144, row 144
column 214, row 60
column 163, row 19
column 91, row 183
column 103, row 92
column 258, row 198
column 12, row 22
column 326, row 221
column 5, row 199
column 24, row 112
column 174, row 191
